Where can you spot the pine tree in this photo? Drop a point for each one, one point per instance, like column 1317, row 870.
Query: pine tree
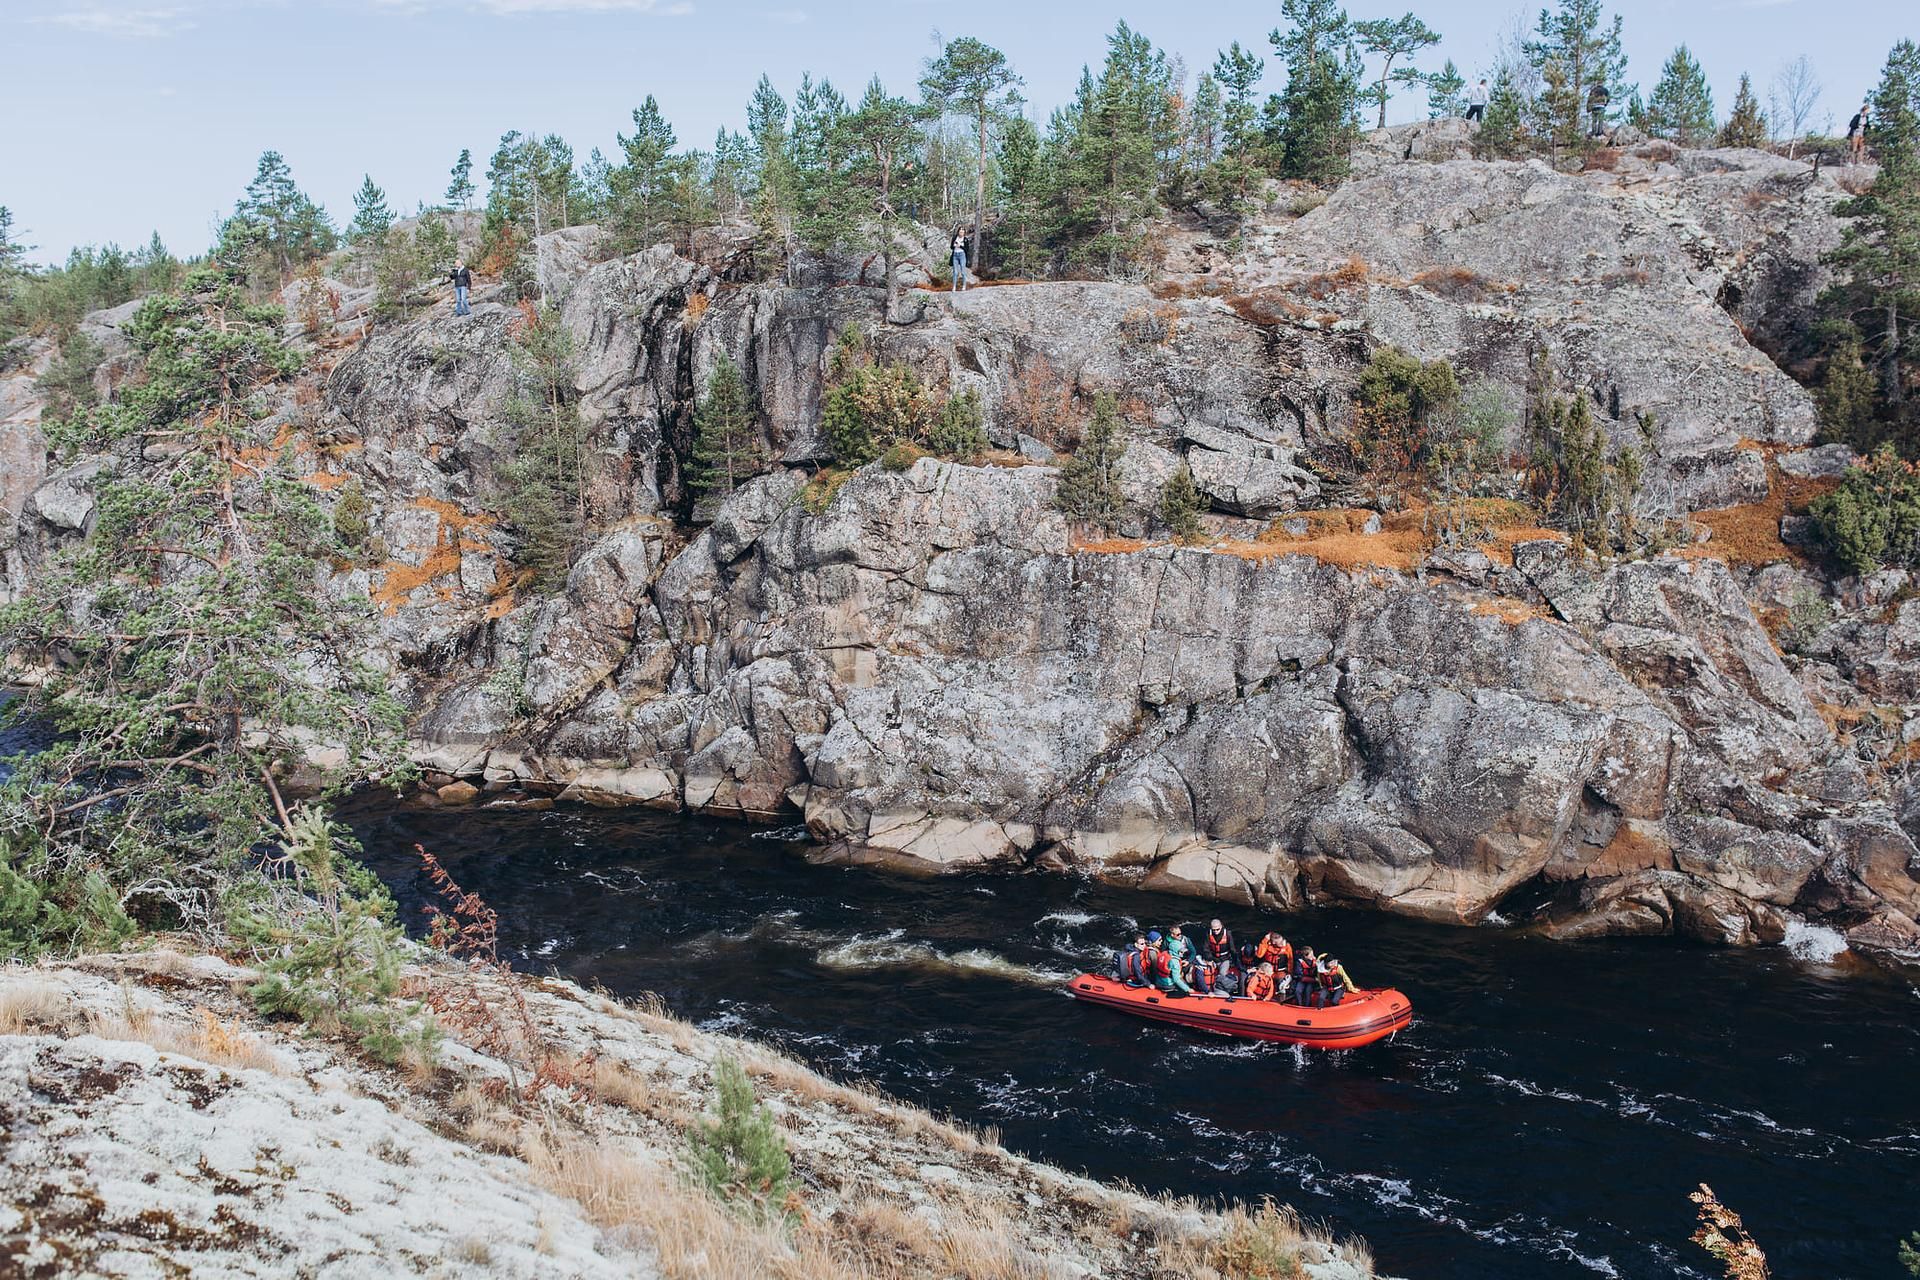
column 1586, row 52
column 546, row 481
column 1745, row 126
column 1315, row 112
column 1021, row 192
column 372, row 219
column 1391, row 39
column 973, row 79
column 275, row 227
column 882, row 131
column 1681, row 108
column 1181, row 505
column 820, row 152
column 1109, row 144
column 209, row 657
column 1879, row 253
column 1090, row 480
column 1499, row 135
column 727, row 448
column 460, row 189
column 641, row 190
column 1205, row 121
column 1238, row 70
column 1446, row 93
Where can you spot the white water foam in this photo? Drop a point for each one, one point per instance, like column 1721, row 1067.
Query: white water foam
column 1813, row 943
column 1072, row 919
column 890, row 951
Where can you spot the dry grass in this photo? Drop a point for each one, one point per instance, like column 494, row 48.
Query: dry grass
column 696, row 307
column 1459, row 284
column 32, row 1008
column 211, row 1041
column 1334, row 537
column 694, row 1235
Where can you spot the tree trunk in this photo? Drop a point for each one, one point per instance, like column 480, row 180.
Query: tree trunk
column 1892, row 374
column 980, row 194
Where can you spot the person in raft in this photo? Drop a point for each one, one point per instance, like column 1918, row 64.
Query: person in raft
column 1166, row 973
column 1260, row 984
column 1131, row 965
column 1332, row 984
column 1306, row 977
column 1216, row 946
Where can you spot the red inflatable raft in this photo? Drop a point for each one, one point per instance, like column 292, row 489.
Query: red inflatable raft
column 1357, row 1020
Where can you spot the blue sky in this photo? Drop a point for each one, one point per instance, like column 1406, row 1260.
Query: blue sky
column 127, row 116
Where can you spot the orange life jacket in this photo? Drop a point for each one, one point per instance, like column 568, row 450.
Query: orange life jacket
column 1267, row 953
column 1260, row 987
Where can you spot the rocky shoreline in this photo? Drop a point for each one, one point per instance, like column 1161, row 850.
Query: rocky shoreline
column 152, row 1124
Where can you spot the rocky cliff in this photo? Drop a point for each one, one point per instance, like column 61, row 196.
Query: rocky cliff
column 934, row 668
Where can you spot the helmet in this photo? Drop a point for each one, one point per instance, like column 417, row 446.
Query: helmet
column 1154, row 936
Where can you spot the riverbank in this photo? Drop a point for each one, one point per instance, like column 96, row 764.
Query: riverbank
column 153, row 1122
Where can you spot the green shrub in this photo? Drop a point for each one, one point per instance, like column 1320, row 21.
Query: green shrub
column 1090, row 480
column 1873, row 519
column 1847, row 394
column 352, row 518
column 960, row 430
column 901, row 456
column 333, row 953
column 68, row 382
column 737, row 1152
column 1181, row 505
column 1910, row 1254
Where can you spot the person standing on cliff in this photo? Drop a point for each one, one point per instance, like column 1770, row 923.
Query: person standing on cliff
column 462, row 282
column 1857, row 134
column 1477, row 103
column 1597, row 100
column 958, row 260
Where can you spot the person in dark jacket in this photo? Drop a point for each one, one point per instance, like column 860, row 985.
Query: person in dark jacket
column 1131, row 965
column 462, row 282
column 1857, row 134
column 958, row 260
column 1597, row 100
column 1216, row 946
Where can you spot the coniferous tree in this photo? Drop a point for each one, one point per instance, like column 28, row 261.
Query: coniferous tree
column 546, row 479
column 642, row 189
column 274, row 226
column 1090, row 480
column 727, row 448
column 1879, row 253
column 1314, row 114
column 972, row 79
column 1021, row 193
column 198, row 656
column 1391, row 39
column 882, row 130
column 1238, row 70
column 460, row 190
column 1745, row 126
column 372, row 219
column 821, row 153
column 1574, row 49
column 1104, row 154
column 1446, row 89
column 1681, row 108
column 1499, row 135
column 1205, row 121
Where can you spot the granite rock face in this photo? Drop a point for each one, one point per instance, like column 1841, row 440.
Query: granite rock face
column 935, row 670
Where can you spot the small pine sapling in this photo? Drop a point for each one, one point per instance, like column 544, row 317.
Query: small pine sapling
column 1181, row 505
column 738, row 1153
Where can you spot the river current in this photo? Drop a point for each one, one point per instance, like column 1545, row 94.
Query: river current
column 1545, row 1116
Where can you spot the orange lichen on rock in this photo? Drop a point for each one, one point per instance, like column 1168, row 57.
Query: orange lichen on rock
column 450, row 543
column 324, row 479
column 1108, row 546
column 1508, row 610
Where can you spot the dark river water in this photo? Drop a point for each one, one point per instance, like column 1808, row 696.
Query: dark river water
column 1546, row 1115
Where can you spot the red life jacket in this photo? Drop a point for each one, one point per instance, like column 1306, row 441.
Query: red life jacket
column 1330, row 978
column 1217, row 947
column 1133, row 965
column 1159, row 963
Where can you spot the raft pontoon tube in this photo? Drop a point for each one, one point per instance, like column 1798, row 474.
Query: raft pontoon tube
column 1357, row 1020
